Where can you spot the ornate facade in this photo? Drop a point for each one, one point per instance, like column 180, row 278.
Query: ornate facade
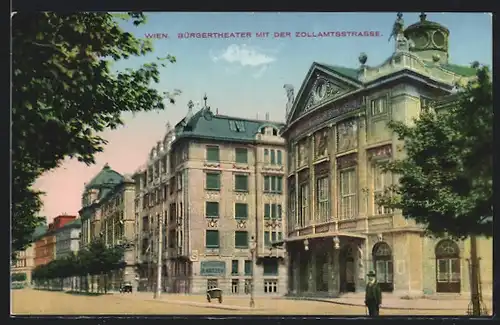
column 337, row 141
column 108, row 214
column 215, row 182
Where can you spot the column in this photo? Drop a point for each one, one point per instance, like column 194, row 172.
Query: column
column 296, row 274
column 332, row 144
column 360, row 268
column 336, row 272
column 296, row 178
column 329, row 261
column 312, row 272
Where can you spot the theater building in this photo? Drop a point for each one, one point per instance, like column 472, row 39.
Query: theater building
column 337, row 139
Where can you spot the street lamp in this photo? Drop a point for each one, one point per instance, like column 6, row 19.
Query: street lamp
column 336, row 242
column 253, row 245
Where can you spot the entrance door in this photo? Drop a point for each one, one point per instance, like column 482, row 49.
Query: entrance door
column 447, row 267
column 347, row 270
column 382, row 260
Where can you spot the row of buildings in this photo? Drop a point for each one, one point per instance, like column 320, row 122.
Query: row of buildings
column 290, row 205
column 55, row 240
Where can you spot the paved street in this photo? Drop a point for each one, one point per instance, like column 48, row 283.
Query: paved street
column 29, row 301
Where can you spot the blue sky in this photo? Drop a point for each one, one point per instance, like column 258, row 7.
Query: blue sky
column 245, row 77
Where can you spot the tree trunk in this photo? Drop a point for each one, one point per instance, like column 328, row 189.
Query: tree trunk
column 106, row 283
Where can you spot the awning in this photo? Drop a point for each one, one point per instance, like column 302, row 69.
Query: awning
column 320, row 235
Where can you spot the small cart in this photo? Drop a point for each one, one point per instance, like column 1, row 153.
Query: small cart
column 214, row 293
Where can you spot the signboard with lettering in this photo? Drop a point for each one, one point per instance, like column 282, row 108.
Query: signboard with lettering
column 212, row 268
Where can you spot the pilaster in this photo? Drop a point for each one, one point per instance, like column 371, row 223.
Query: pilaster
column 362, row 168
column 296, row 274
column 312, row 183
column 335, row 275
column 333, row 171
column 296, row 178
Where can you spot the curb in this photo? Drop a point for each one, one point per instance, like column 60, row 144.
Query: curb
column 204, row 305
column 360, row 305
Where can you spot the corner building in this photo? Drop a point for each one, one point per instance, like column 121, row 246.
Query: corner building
column 337, row 139
column 219, row 181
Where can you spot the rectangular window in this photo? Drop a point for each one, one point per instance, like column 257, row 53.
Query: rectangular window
column 379, row 105
column 304, row 204
column 267, row 239
column 323, row 198
column 241, row 155
column 212, row 154
column 212, row 283
column 266, row 156
column 213, row 181
column 267, row 211
column 240, row 211
column 248, row 267
column 241, row 183
column 273, row 157
column 234, row 267
column 381, row 180
column 348, row 204
column 275, row 211
column 212, row 209
column 279, row 157
column 212, row 239
column 235, row 283
column 448, row 270
column 241, row 239
column 271, row 286
column 270, row 266
column 273, row 184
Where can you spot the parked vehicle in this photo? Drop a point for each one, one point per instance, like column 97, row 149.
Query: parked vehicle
column 214, row 293
column 126, row 287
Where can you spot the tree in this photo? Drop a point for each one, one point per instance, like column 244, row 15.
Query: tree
column 64, row 94
column 447, row 175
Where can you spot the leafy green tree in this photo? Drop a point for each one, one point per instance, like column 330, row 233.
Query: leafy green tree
column 446, row 178
column 64, row 94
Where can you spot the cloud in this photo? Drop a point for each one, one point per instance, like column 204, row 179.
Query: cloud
column 244, row 55
column 260, row 72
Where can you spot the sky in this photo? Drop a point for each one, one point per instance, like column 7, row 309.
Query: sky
column 244, row 76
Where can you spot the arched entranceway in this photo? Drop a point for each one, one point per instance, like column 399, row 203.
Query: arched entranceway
column 383, row 266
column 347, row 269
column 447, row 266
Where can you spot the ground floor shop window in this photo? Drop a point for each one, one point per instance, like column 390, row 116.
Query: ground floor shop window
column 212, row 283
column 235, row 283
column 270, row 286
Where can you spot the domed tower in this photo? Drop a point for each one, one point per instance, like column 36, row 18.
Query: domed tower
column 430, row 40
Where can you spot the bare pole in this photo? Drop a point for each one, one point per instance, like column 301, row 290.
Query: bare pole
column 159, row 260
column 475, row 298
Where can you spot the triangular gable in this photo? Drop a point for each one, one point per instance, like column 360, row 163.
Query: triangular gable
column 321, row 85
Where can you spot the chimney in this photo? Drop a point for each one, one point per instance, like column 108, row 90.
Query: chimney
column 267, row 116
column 216, row 111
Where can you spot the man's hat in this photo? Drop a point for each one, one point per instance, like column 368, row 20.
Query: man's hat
column 371, row 273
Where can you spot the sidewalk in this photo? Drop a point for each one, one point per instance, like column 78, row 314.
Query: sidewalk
column 392, row 302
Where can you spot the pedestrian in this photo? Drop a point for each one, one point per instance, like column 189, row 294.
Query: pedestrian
column 373, row 295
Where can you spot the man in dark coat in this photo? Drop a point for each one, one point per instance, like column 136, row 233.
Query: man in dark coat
column 373, row 295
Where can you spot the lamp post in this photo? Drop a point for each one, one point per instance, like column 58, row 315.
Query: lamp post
column 253, row 245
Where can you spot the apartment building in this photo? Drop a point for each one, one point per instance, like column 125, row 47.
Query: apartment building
column 68, row 238
column 108, row 214
column 216, row 183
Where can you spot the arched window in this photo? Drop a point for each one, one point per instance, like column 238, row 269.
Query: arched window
column 447, row 266
column 383, row 265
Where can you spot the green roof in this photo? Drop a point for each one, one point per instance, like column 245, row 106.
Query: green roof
column 460, row 69
column 104, row 178
column 39, row 232
column 346, row 72
column 205, row 124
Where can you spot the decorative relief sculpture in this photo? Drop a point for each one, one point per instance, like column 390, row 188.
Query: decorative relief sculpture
column 347, row 161
column 290, row 98
column 322, row 91
column 347, row 135
column 321, row 143
column 303, row 153
column 380, row 152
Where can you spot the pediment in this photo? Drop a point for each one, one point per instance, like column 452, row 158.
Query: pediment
column 322, row 85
